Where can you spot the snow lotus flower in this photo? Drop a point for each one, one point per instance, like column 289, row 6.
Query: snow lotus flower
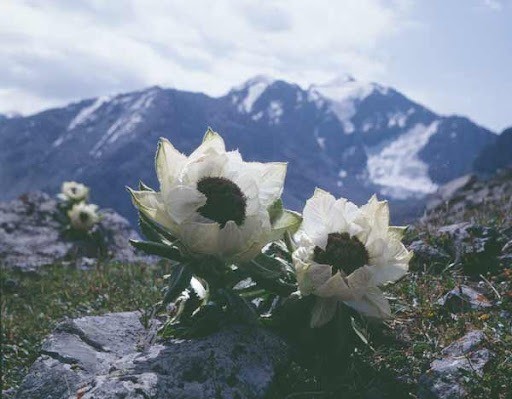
column 213, row 202
column 73, row 192
column 83, row 216
column 345, row 253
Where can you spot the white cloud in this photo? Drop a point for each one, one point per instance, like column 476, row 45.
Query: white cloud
column 54, row 52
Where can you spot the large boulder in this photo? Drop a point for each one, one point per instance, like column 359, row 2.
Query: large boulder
column 102, row 357
column 31, row 236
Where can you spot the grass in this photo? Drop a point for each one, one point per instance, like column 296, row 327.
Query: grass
column 32, row 304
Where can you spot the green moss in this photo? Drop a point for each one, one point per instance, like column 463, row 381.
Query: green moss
column 33, row 304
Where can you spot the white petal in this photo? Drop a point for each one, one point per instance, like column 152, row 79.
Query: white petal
column 151, row 205
column 270, row 177
column 200, row 238
column 168, row 163
column 312, row 276
column 316, row 217
column 209, row 165
column 212, row 143
column 182, row 202
column 374, row 216
column 250, row 189
column 323, row 311
column 231, row 240
column 335, row 287
column 359, row 281
column 373, row 304
column 392, row 265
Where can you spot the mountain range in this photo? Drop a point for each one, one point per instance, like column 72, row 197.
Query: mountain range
column 349, row 137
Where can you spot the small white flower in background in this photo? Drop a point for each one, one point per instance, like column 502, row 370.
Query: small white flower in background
column 73, row 191
column 345, row 253
column 213, row 202
column 83, row 216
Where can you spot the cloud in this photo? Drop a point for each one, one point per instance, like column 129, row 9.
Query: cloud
column 55, row 52
column 493, row 4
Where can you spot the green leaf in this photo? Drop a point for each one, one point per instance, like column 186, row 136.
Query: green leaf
column 155, row 248
column 269, row 273
column 148, row 231
column 241, row 309
column 289, row 221
column 154, row 230
column 178, row 282
column 275, row 210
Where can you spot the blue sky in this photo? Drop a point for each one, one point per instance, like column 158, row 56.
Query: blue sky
column 454, row 56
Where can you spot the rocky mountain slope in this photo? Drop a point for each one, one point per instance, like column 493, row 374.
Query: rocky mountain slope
column 348, row 137
column 496, row 155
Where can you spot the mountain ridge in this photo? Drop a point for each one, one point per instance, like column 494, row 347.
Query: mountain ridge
column 370, row 138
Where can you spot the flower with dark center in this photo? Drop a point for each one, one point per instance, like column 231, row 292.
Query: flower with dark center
column 343, row 253
column 214, row 203
column 73, row 192
column 224, row 200
column 83, row 216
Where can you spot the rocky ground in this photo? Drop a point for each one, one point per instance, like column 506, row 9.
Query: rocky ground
column 31, row 236
column 451, row 337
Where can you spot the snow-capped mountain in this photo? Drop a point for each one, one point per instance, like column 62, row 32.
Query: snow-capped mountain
column 348, row 137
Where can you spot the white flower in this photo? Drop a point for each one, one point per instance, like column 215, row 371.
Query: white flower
column 73, row 191
column 215, row 203
column 345, row 253
column 83, row 216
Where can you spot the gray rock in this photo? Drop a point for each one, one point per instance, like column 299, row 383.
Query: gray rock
column 99, row 357
column 463, row 298
column 30, row 235
column 427, row 253
column 444, row 379
column 476, row 247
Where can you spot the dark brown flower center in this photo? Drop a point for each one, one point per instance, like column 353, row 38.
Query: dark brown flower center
column 224, row 200
column 343, row 253
column 84, row 217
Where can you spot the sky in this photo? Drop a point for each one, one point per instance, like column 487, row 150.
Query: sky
column 454, row 56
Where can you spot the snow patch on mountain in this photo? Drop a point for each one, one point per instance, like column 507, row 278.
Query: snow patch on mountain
column 87, row 113
column 319, row 139
column 397, row 167
column 127, row 123
column 253, row 89
column 345, row 93
column 275, row 110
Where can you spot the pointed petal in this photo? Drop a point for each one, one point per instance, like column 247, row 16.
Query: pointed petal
column 168, row 163
column 323, row 311
column 150, row 204
column 270, row 177
column 316, row 217
column 212, row 143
